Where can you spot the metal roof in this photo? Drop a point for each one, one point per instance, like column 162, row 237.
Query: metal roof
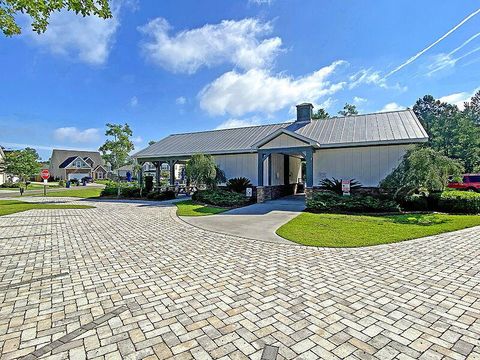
column 395, row 127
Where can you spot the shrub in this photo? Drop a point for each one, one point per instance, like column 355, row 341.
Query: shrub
column 164, row 195
column 109, row 190
column 10, row 184
column 130, row 192
column 335, row 185
column 454, row 201
column 328, row 201
column 219, row 197
column 238, row 185
column 61, row 183
column 422, row 169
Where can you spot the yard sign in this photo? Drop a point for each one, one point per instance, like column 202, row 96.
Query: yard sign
column 346, row 187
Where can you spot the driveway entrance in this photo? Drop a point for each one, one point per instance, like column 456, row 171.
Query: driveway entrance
column 258, row 221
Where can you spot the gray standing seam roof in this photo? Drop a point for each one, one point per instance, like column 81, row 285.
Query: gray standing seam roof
column 395, row 127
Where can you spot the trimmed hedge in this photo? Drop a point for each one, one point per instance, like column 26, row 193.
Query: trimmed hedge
column 220, row 198
column 10, row 184
column 462, row 202
column 130, row 191
column 330, row 202
column 164, row 195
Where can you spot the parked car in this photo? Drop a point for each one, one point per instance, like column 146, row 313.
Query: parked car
column 87, row 179
column 469, row 182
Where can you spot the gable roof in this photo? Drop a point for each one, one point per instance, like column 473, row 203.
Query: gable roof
column 395, row 127
column 59, row 156
column 67, row 162
column 72, row 159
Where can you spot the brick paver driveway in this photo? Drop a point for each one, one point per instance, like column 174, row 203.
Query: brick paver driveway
column 131, row 281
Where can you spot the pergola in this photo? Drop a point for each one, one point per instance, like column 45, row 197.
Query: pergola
column 157, row 162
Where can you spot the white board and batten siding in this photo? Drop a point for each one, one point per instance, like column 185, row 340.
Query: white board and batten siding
column 368, row 165
column 238, row 165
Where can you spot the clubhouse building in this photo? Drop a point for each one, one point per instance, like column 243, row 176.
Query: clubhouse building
column 361, row 147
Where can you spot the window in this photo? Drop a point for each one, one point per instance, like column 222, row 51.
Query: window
column 99, row 175
column 474, row 178
column 78, row 164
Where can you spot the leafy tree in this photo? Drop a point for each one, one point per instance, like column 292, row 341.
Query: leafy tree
column 421, row 170
column 151, row 142
column 348, row 110
column 115, row 150
column 451, row 131
column 428, row 110
column 40, row 10
column 472, row 108
column 22, row 163
column 320, row 114
column 202, row 170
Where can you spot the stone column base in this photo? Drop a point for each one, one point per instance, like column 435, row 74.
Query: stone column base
column 308, row 193
column 260, row 194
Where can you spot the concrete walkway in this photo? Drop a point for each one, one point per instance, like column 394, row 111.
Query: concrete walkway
column 257, row 221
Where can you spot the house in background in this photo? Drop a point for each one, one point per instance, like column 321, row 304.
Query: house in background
column 362, row 147
column 77, row 164
column 3, row 176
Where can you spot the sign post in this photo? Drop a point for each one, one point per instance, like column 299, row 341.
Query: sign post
column 346, row 187
column 45, row 174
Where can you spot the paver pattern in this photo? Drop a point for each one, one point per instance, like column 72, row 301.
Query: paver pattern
column 131, row 281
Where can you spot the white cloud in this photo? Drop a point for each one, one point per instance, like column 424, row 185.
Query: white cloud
column 459, row 98
column 137, row 139
column 259, row 90
column 393, row 106
column 87, row 39
column 236, row 123
column 74, row 135
column 181, row 100
column 444, row 61
column 359, row 100
column 371, row 77
column 133, row 101
column 241, row 43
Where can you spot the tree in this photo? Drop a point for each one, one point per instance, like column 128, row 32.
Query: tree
column 421, row 170
column 22, row 163
column 472, row 108
column 320, row 114
column 115, row 151
column 428, row 110
column 151, row 142
column 40, row 11
column 202, row 170
column 451, row 131
column 348, row 110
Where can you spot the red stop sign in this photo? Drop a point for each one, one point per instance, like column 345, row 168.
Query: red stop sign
column 45, row 174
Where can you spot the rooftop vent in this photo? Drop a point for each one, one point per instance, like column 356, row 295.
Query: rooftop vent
column 304, row 112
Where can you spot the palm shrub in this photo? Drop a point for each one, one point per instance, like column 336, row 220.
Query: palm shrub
column 238, row 184
column 335, row 185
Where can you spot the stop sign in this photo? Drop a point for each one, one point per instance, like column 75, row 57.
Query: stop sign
column 45, row 174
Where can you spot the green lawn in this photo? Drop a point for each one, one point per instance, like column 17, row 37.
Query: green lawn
column 189, row 208
column 334, row 230
column 32, row 187
column 13, row 206
column 80, row 192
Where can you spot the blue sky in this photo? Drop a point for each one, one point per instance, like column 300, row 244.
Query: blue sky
column 177, row 66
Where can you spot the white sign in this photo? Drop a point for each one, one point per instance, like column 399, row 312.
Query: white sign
column 248, row 192
column 346, row 187
column 45, row 181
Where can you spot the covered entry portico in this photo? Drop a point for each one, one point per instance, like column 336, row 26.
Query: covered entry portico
column 293, row 149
